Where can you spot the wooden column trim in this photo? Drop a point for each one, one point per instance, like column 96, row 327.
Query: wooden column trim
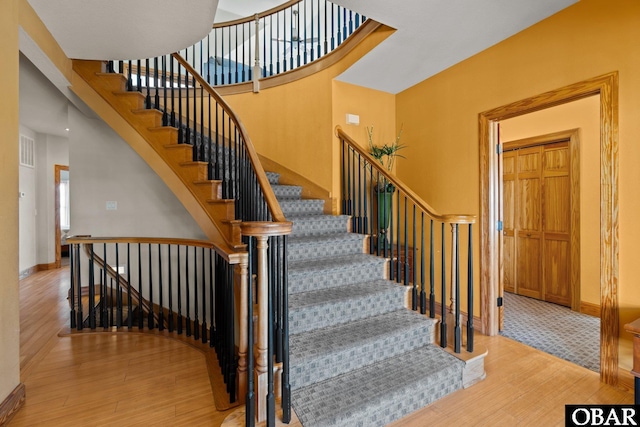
column 607, row 87
column 12, row 404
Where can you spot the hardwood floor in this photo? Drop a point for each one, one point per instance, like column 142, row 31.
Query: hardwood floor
column 134, row 379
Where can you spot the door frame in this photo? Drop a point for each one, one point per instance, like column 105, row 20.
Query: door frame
column 607, row 87
column 571, row 137
column 56, row 210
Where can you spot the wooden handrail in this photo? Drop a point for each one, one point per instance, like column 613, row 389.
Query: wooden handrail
column 270, row 198
column 229, row 256
column 404, row 188
column 252, row 18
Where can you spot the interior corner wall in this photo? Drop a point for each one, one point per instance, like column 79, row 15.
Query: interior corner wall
column 103, row 167
column 584, row 115
column 585, row 40
column 51, row 150
column 9, row 134
column 375, row 109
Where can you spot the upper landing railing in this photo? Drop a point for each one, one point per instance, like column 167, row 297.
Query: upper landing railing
column 273, row 42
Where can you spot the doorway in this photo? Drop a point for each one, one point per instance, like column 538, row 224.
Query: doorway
column 606, row 87
column 62, row 225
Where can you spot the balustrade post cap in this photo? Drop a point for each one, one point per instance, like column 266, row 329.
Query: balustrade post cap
column 266, row 228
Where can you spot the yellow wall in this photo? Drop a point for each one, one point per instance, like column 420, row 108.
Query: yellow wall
column 293, row 124
column 9, row 134
column 584, row 115
column 588, row 39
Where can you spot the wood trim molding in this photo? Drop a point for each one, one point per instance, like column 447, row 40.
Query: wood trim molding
column 590, row 309
column 44, row 267
column 12, row 404
column 607, row 87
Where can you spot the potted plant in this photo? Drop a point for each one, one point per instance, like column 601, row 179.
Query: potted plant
column 385, row 155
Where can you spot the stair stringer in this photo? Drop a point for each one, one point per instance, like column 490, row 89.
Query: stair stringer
column 157, row 145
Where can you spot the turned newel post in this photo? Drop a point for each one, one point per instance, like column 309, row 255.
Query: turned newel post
column 634, row 328
column 264, row 368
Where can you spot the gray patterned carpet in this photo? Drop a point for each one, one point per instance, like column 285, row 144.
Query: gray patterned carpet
column 554, row 329
column 358, row 356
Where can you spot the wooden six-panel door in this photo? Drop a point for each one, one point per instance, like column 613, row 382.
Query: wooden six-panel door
column 536, row 221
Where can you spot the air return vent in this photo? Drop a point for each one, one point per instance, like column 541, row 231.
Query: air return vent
column 27, row 152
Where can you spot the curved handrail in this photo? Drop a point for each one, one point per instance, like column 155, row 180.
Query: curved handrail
column 417, row 200
column 270, row 198
column 231, row 258
column 251, row 18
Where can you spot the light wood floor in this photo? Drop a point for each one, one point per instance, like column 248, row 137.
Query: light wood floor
column 133, row 379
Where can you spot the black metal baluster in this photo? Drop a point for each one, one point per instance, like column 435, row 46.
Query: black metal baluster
column 423, row 293
column 213, row 336
column 365, row 203
column 72, row 286
column 304, row 40
column 196, row 320
column 405, row 265
column 344, row 24
column 155, row 83
column 398, row 241
column 312, row 53
column 165, row 117
column 80, row 321
column 92, row 289
column 129, row 296
column 187, row 118
column 170, row 289
column 318, row 50
column 414, row 304
column 278, row 43
column 188, row 313
column 286, row 385
column 179, row 318
column 118, row 290
column 470, row 291
column 250, row 400
column 443, row 313
column 147, row 99
column 277, row 270
column 270, row 45
column 432, row 282
column 172, row 86
column 231, row 348
column 106, row 307
column 160, row 289
column 139, row 77
column 457, row 340
column 140, row 306
column 350, row 22
column 297, row 18
column 150, row 320
column 204, row 300
column 358, row 217
column 181, row 136
column 333, row 30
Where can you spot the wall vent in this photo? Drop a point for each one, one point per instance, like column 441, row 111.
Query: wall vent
column 27, row 152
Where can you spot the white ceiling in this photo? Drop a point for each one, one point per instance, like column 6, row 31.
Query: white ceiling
column 431, row 36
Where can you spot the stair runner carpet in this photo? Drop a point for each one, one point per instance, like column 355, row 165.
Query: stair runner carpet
column 358, row 357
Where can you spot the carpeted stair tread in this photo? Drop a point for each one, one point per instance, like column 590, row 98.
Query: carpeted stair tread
column 380, row 393
column 308, row 275
column 324, row 353
column 329, row 307
column 287, row 192
column 328, row 245
column 273, row 177
column 318, row 225
column 309, row 206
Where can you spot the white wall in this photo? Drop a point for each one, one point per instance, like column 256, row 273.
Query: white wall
column 103, row 167
column 51, row 150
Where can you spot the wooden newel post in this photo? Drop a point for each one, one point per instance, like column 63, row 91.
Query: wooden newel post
column 264, row 371
column 634, row 328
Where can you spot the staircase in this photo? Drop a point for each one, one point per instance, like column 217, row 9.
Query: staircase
column 358, row 356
